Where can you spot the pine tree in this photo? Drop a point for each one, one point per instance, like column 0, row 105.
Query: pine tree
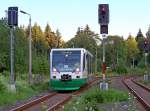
column 148, row 34
column 38, row 39
column 58, row 38
column 148, row 38
column 140, row 41
column 139, row 35
column 48, row 36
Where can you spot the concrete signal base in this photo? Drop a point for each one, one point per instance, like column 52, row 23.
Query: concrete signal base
column 104, row 85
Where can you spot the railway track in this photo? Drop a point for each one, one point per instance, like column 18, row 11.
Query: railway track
column 140, row 91
column 52, row 101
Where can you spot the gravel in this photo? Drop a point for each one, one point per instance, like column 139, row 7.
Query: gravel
column 118, row 106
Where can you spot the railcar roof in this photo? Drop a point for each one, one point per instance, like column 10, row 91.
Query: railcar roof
column 59, row 49
column 68, row 49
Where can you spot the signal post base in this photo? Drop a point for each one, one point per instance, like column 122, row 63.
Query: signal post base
column 145, row 77
column 12, row 88
column 104, row 85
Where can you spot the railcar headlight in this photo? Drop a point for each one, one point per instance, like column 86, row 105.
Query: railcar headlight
column 77, row 69
column 54, row 70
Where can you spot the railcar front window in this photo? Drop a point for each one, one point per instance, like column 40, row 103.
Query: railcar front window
column 66, row 61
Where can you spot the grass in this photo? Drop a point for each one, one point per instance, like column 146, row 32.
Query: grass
column 90, row 99
column 130, row 71
column 23, row 90
column 146, row 82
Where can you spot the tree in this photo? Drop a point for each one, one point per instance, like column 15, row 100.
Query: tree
column 133, row 50
column 21, row 51
column 20, row 48
column 148, row 34
column 139, row 35
column 49, row 37
column 148, row 38
column 116, row 46
column 4, row 45
column 140, row 41
column 38, row 39
column 85, row 38
column 58, row 38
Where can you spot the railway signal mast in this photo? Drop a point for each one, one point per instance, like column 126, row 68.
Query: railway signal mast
column 145, row 54
column 103, row 20
column 12, row 22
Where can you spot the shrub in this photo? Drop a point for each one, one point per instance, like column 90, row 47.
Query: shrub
column 90, row 99
column 121, row 69
column 113, row 96
column 40, row 86
column 40, row 65
column 93, row 95
column 2, row 86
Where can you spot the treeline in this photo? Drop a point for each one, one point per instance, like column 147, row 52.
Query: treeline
column 42, row 42
column 121, row 54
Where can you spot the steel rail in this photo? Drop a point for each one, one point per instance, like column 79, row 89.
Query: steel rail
column 49, row 96
column 64, row 101
column 34, row 102
column 140, row 99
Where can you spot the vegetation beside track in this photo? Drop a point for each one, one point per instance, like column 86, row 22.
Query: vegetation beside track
column 91, row 98
column 23, row 90
column 126, row 56
column 145, row 82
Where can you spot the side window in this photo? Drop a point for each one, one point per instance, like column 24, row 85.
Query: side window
column 87, row 59
column 83, row 62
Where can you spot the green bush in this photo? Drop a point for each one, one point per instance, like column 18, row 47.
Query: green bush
column 40, row 87
column 141, row 64
column 136, row 71
column 6, row 98
column 93, row 95
column 113, row 96
column 79, row 104
column 23, row 90
column 2, row 87
column 90, row 99
column 40, row 65
column 121, row 69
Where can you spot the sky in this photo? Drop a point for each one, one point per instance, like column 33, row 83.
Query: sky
column 126, row 16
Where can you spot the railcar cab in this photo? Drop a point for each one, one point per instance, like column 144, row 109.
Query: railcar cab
column 69, row 68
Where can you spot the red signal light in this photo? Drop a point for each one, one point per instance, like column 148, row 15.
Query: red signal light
column 103, row 10
column 103, row 14
column 146, row 46
column 145, row 42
